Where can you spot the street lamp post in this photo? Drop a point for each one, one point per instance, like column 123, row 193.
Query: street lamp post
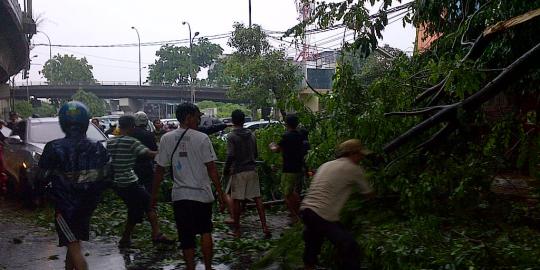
column 192, row 87
column 139, row 38
column 50, row 45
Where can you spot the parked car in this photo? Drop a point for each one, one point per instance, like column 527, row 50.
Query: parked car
column 22, row 152
column 253, row 126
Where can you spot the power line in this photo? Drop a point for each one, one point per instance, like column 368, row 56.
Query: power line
column 106, row 58
column 124, row 45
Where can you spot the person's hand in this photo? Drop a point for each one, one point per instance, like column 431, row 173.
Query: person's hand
column 221, row 201
column 273, row 146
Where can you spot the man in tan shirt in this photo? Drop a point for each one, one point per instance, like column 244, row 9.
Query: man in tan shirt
column 331, row 187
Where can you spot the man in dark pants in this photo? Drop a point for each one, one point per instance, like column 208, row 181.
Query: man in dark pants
column 144, row 165
column 124, row 150
column 330, row 189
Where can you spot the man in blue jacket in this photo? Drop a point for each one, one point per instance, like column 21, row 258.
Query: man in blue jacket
column 74, row 167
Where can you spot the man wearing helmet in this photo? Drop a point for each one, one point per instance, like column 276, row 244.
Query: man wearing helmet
column 144, row 165
column 74, row 167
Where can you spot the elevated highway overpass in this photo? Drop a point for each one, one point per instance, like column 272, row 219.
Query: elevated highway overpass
column 116, row 91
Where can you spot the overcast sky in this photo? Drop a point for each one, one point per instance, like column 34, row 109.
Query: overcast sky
column 102, row 22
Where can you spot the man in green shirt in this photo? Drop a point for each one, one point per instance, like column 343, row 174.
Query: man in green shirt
column 124, row 151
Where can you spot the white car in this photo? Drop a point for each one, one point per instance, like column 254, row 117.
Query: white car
column 254, row 125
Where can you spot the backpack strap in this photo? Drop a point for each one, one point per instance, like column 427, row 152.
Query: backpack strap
column 174, row 150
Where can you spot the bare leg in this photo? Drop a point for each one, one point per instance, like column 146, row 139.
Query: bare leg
column 262, row 215
column 236, row 215
column 69, row 263
column 189, row 257
column 153, row 219
column 230, row 207
column 206, row 248
column 293, row 204
column 74, row 257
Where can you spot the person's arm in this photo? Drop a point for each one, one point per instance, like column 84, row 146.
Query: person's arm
column 139, row 149
column 158, row 177
column 213, row 173
column 364, row 186
column 254, row 142
column 151, row 154
column 212, row 129
column 163, row 160
column 230, row 157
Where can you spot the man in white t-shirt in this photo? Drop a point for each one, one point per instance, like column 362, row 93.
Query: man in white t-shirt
column 190, row 155
column 330, row 189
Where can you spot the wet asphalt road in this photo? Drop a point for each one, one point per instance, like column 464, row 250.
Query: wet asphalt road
column 24, row 245
column 27, row 246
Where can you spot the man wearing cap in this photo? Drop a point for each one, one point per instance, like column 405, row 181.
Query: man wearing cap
column 331, row 187
column 144, row 165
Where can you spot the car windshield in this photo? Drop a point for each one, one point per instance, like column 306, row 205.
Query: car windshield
column 44, row 132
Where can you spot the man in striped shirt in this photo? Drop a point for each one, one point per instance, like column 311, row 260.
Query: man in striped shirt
column 124, row 151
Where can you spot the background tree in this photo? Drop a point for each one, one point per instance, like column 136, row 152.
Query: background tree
column 223, row 109
column 173, row 64
column 216, row 74
column 23, row 108
column 68, row 69
column 258, row 73
column 248, row 42
column 95, row 104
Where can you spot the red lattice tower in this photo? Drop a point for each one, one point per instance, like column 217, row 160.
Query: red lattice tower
column 304, row 9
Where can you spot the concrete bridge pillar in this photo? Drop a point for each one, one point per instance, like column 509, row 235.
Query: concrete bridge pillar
column 130, row 105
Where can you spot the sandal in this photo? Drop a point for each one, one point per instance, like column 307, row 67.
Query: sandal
column 162, row 239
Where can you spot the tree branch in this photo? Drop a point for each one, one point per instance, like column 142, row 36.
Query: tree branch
column 473, row 102
column 432, row 90
column 419, row 111
column 313, row 89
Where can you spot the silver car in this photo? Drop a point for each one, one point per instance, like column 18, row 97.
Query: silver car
column 22, row 152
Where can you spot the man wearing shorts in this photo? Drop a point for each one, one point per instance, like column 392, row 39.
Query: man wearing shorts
column 190, row 156
column 240, row 165
column 74, row 169
column 124, row 150
column 293, row 150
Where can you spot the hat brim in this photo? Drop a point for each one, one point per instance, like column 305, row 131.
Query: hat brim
column 366, row 152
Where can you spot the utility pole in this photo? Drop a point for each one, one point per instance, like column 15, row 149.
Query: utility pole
column 249, row 13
